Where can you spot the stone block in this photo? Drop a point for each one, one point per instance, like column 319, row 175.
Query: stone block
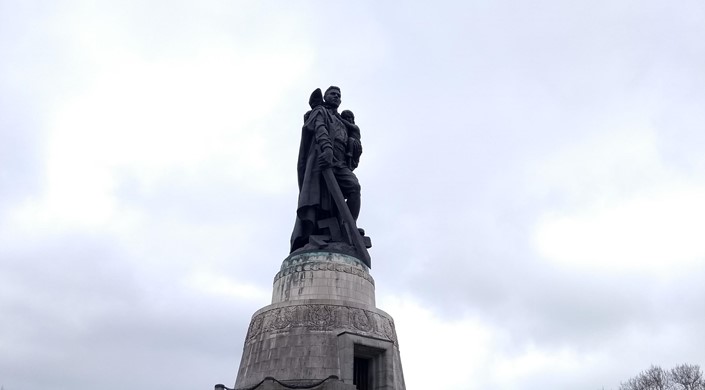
column 323, row 308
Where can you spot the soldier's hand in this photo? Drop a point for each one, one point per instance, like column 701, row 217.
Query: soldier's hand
column 325, row 159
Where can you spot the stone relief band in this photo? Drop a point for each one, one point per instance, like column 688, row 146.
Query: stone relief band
column 322, row 317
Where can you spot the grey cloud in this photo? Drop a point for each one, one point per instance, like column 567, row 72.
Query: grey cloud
column 454, row 101
column 76, row 315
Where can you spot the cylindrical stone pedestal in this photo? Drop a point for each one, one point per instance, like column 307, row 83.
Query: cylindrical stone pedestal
column 324, row 275
column 322, row 330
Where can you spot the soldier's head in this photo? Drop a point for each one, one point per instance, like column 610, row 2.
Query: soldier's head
column 348, row 116
column 332, row 96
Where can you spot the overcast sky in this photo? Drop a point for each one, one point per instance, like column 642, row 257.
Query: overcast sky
column 533, row 181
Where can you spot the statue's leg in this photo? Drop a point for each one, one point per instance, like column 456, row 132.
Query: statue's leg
column 350, row 188
column 353, row 202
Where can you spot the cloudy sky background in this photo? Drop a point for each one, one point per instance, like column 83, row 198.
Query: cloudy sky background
column 533, row 182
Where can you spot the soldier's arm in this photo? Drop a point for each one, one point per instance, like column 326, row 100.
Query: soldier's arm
column 323, row 140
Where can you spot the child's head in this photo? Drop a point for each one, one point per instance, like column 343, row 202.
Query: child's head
column 348, row 116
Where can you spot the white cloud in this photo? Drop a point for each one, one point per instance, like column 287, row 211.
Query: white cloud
column 468, row 353
column 452, row 351
column 220, row 285
column 656, row 231
column 167, row 134
column 617, row 205
column 153, row 119
column 534, row 364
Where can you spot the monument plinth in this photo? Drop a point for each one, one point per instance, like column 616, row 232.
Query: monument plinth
column 322, row 329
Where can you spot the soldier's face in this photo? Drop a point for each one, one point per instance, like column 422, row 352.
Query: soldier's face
column 333, row 97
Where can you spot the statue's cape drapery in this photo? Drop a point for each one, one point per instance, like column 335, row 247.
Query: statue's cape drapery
column 314, row 199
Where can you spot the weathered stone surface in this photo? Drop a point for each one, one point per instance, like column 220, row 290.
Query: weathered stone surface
column 323, row 275
column 331, row 383
column 322, row 316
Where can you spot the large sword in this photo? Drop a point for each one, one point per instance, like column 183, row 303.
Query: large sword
column 348, row 220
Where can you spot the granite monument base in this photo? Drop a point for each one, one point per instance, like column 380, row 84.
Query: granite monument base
column 322, row 330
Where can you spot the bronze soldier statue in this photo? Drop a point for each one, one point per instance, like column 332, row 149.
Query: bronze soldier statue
column 329, row 152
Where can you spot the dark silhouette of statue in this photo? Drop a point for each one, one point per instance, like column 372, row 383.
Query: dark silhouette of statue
column 329, row 152
column 354, row 146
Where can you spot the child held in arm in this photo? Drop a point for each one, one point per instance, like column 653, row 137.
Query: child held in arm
column 354, row 148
